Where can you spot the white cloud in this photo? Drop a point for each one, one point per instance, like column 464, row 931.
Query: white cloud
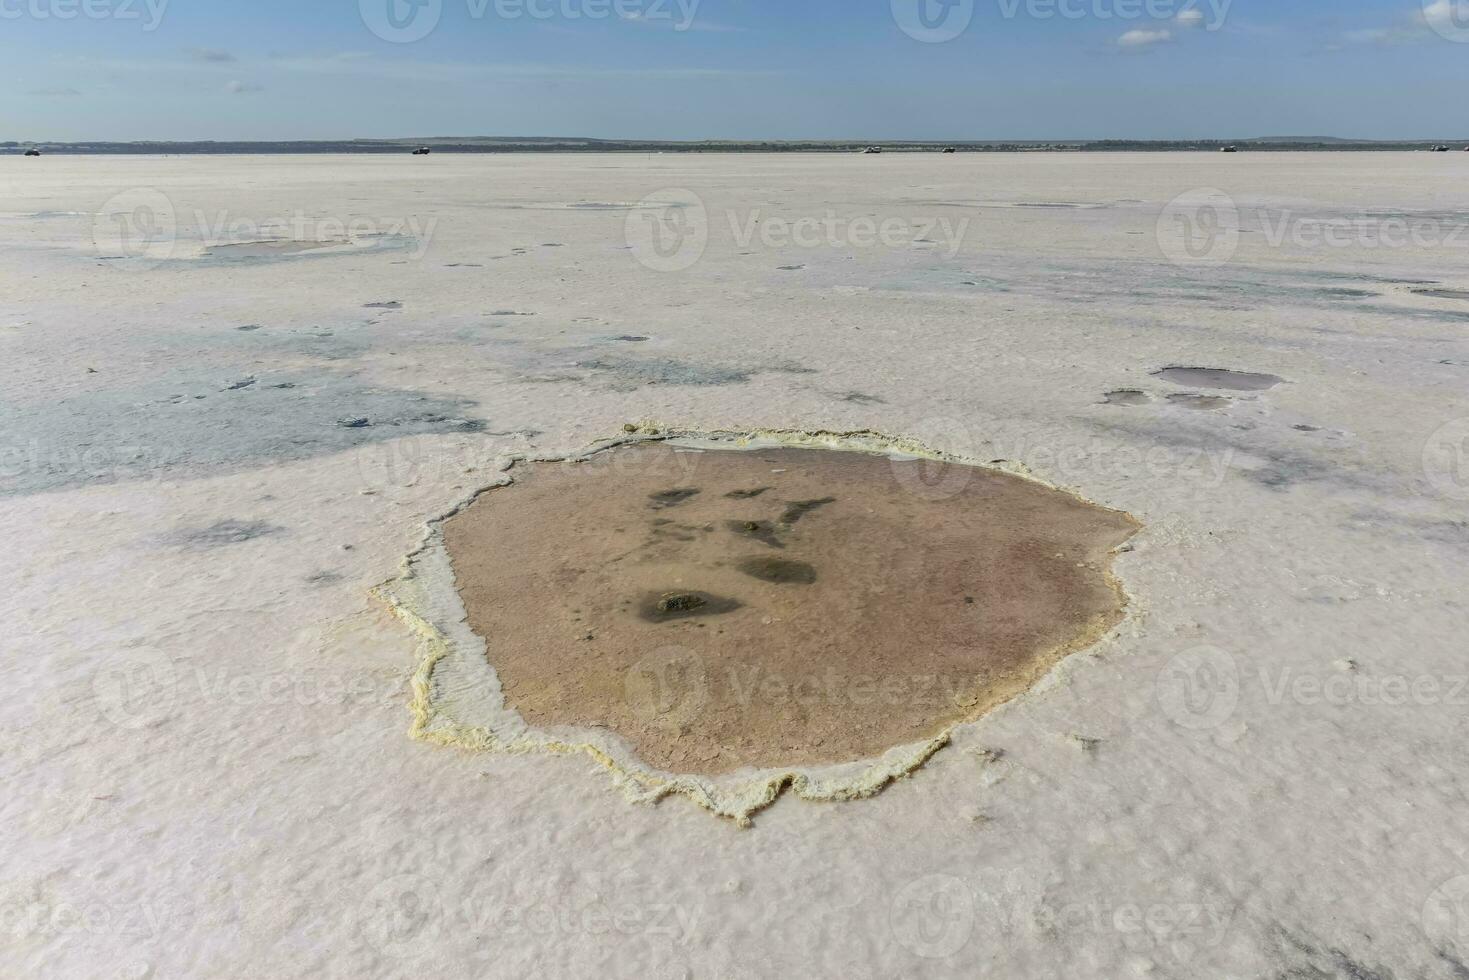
column 1448, row 18
column 243, row 88
column 702, row 26
column 213, row 56
column 1144, row 39
column 1140, row 39
column 356, row 64
column 332, row 58
column 1372, row 35
column 54, row 93
column 465, row 71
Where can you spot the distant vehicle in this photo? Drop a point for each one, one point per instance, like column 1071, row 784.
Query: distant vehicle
column 873, row 149
column 33, row 152
column 422, row 151
column 1441, row 148
column 1229, row 149
column 951, row 149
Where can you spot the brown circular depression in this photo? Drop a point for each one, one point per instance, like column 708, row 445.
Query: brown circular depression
column 773, row 608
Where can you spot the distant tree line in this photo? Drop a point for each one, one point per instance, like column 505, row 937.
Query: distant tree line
column 553, row 145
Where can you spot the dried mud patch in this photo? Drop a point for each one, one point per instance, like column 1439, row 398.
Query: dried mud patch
column 640, row 604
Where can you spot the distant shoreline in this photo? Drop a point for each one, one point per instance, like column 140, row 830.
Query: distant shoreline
column 554, row 145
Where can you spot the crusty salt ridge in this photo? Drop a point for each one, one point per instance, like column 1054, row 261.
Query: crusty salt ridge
column 251, row 802
column 458, row 701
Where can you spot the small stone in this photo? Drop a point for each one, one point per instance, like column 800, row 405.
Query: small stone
column 1089, row 745
column 682, row 602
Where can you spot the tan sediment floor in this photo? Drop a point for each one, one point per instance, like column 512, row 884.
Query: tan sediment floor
column 724, row 610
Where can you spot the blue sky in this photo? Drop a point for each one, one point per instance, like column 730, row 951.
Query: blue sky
column 739, row 69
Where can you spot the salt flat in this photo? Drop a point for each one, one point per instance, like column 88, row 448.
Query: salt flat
column 233, row 391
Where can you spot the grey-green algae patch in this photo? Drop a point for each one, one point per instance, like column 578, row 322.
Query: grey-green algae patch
column 190, row 424
column 458, row 701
